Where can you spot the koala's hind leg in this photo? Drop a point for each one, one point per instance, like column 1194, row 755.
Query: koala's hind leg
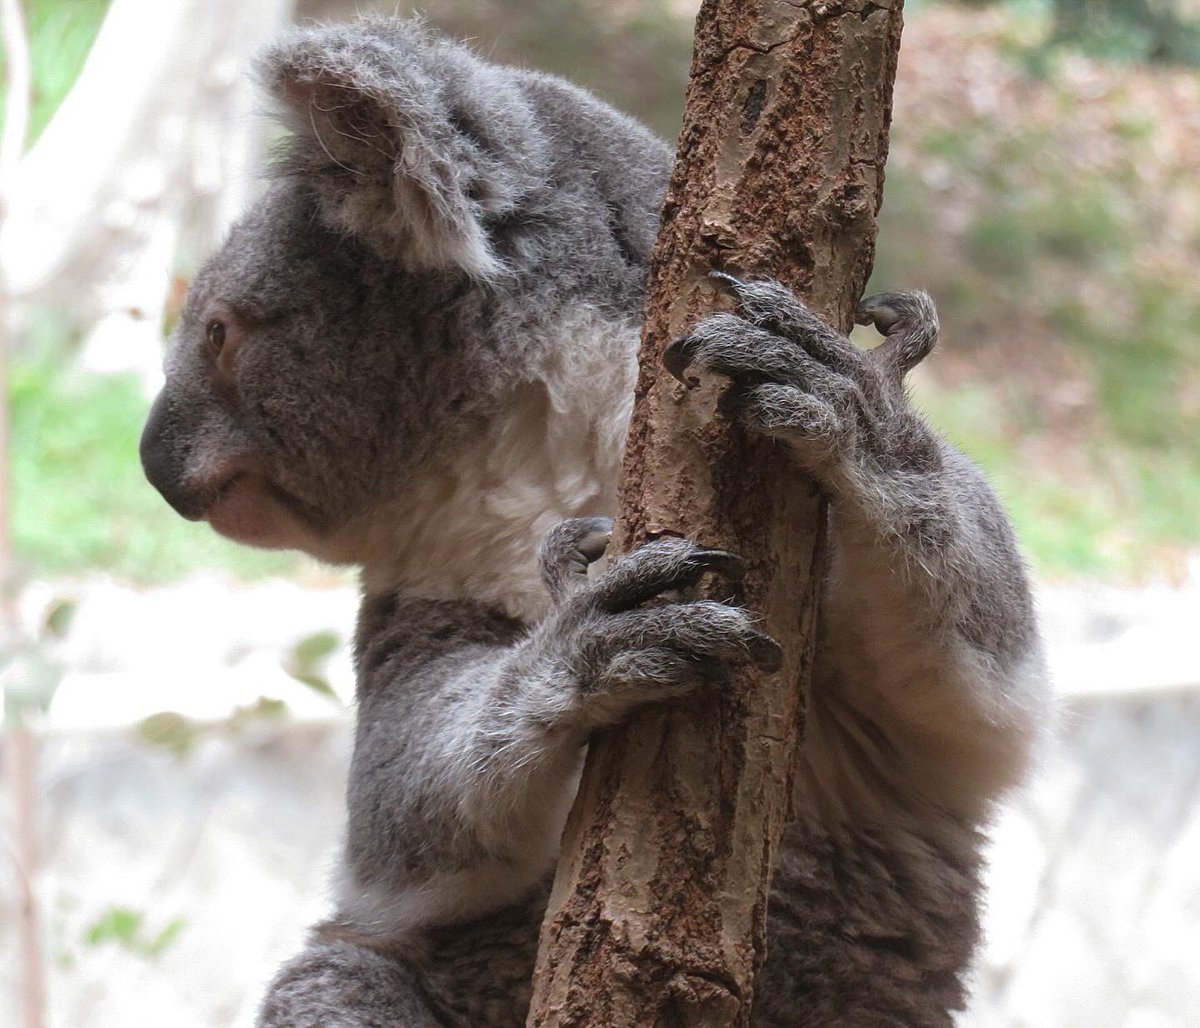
column 338, row 984
column 477, row 974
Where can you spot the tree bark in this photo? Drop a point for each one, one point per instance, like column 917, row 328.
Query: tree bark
column 658, row 914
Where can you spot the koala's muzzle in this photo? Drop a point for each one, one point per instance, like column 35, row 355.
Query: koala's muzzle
column 163, row 460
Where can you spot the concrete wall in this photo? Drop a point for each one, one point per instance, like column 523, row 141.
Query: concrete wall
column 1094, row 913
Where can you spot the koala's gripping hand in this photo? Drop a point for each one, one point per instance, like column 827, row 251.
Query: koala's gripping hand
column 842, row 409
column 600, row 652
column 930, row 638
column 473, row 742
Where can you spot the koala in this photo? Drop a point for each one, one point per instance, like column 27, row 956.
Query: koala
column 415, row 355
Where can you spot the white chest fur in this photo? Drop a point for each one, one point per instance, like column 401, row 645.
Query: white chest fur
column 470, row 527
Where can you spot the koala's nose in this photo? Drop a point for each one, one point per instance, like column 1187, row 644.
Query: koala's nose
column 163, row 460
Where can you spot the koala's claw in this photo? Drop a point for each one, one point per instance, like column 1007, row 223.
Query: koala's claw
column 765, row 652
column 616, row 650
column 653, row 653
column 702, row 630
column 909, row 324
column 728, row 281
column 721, row 562
column 678, row 358
column 743, row 351
column 595, row 537
column 661, row 566
column 796, row 378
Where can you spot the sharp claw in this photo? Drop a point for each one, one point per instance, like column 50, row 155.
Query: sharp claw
column 677, row 358
column 722, row 562
column 765, row 652
column 727, row 280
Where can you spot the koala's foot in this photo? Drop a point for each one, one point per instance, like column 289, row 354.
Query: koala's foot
column 340, row 985
column 798, row 379
column 609, row 653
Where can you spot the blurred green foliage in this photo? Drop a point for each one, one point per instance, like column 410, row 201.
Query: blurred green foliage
column 1144, row 30
column 1053, row 217
column 60, row 35
column 127, row 928
column 1040, row 196
column 79, row 498
column 179, row 735
column 306, row 662
column 1109, row 510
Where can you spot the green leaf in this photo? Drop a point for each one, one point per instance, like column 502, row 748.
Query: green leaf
column 170, row 730
column 314, row 682
column 116, row 924
column 162, row 941
column 125, row 927
column 57, row 621
column 264, row 708
column 314, row 648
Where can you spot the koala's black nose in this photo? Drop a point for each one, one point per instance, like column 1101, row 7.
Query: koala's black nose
column 163, row 461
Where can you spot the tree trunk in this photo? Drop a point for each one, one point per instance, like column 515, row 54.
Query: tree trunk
column 658, row 915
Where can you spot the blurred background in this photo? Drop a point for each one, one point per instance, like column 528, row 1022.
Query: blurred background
column 177, row 709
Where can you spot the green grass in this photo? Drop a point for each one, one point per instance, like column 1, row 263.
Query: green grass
column 1115, row 510
column 80, row 502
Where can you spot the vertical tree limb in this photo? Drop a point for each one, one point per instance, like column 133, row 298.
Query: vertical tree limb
column 18, row 87
column 19, row 748
column 659, row 909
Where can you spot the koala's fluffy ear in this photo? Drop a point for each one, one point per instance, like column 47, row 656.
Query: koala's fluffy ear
column 407, row 140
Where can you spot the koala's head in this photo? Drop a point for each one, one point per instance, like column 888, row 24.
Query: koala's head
column 430, row 220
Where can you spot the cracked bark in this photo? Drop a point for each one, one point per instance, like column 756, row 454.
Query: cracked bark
column 658, row 914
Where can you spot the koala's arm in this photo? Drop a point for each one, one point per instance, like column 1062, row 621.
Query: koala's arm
column 928, row 684
column 930, row 636
column 471, row 729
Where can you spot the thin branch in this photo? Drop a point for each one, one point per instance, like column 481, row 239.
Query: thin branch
column 12, row 145
column 20, row 757
column 19, row 749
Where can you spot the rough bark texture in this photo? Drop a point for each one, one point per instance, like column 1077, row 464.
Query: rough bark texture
column 658, row 912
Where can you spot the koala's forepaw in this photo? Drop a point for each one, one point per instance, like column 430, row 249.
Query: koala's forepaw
column 620, row 654
column 798, row 379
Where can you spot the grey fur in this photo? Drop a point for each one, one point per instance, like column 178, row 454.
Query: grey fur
column 424, row 359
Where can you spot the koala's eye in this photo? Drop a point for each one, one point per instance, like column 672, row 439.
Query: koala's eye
column 215, row 334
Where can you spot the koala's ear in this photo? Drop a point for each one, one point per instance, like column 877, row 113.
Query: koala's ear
column 407, row 140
